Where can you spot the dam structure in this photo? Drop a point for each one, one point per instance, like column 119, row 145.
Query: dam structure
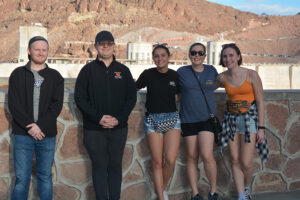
column 139, row 58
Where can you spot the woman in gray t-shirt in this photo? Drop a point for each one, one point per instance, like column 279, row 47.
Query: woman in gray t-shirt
column 196, row 130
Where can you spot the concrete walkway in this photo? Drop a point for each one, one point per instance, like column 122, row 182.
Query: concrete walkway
column 295, row 195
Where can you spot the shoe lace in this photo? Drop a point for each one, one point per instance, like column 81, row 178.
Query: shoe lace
column 248, row 194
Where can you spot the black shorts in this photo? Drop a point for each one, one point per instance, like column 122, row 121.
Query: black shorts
column 189, row 129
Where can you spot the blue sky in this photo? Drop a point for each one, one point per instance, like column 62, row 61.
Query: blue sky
column 270, row 7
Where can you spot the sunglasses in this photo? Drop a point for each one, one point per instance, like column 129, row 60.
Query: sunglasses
column 102, row 44
column 162, row 44
column 200, row 53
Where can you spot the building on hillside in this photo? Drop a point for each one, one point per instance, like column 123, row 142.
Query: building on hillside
column 25, row 34
column 214, row 50
column 139, row 52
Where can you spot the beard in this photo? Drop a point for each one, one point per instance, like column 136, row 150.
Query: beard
column 38, row 61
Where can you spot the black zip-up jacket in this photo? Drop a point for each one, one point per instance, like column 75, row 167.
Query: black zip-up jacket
column 102, row 90
column 20, row 100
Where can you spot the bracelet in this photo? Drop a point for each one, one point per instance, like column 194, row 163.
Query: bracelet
column 261, row 127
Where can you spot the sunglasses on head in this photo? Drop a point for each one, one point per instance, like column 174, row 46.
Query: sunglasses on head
column 200, row 53
column 107, row 43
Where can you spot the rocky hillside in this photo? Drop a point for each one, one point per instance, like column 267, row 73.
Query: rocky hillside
column 70, row 21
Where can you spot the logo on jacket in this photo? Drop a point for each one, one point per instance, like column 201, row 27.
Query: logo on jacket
column 172, row 83
column 209, row 82
column 118, row 75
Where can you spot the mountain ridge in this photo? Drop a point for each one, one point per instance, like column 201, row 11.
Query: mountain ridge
column 80, row 20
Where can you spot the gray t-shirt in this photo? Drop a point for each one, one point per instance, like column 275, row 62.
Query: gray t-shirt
column 192, row 103
column 38, row 80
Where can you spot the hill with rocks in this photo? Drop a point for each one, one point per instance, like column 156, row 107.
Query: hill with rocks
column 73, row 24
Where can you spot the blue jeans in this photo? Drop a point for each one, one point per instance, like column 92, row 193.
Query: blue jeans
column 24, row 147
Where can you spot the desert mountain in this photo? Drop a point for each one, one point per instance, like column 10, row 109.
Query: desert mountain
column 73, row 24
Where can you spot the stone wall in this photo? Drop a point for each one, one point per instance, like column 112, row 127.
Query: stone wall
column 72, row 167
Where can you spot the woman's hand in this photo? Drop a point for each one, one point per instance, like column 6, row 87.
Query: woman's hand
column 260, row 136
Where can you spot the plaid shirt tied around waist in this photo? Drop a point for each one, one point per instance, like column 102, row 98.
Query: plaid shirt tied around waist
column 229, row 129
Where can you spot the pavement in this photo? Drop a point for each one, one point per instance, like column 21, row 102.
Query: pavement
column 294, row 195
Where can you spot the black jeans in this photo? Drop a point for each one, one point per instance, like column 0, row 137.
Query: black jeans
column 106, row 149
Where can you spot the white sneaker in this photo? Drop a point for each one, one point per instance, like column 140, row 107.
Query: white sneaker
column 165, row 195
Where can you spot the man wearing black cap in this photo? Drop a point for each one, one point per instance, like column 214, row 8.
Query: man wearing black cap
column 105, row 93
column 35, row 98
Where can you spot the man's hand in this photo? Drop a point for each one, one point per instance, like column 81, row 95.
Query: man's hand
column 108, row 121
column 35, row 131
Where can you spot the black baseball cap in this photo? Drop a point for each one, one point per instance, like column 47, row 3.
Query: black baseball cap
column 104, row 36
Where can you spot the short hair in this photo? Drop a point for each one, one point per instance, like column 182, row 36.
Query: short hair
column 234, row 47
column 196, row 44
column 160, row 46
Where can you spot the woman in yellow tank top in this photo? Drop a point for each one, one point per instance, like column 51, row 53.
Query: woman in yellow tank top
column 244, row 119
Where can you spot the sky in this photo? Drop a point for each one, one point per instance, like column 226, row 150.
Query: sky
column 269, row 7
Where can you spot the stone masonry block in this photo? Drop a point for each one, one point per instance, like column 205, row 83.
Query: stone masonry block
column 295, row 106
column 127, row 157
column 277, row 115
column 136, row 192
column 6, row 166
column 291, row 170
column 66, row 113
column 203, row 187
column 292, row 141
column 5, row 119
column 3, row 188
column 223, row 177
column 4, row 147
column 275, row 162
column 143, row 149
column 181, row 156
column 61, row 191
column 134, row 174
column 273, row 142
column 181, row 196
column 180, row 179
column 77, row 173
column 135, row 126
column 60, row 129
column 72, row 146
column 90, row 192
column 295, row 186
column 269, row 183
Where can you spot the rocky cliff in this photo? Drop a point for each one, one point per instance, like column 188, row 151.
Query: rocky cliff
column 69, row 21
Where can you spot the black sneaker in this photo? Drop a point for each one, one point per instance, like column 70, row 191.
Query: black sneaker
column 213, row 197
column 197, row 197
